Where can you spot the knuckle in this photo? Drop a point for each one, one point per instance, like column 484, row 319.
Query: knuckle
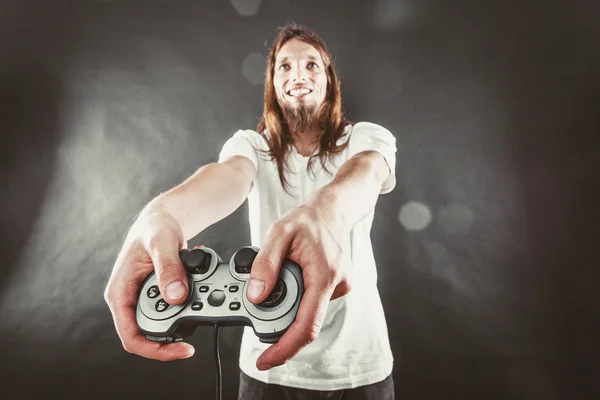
column 108, row 302
column 335, row 278
column 287, row 227
column 273, row 229
column 110, row 295
column 107, row 296
column 334, row 275
column 312, row 333
column 309, row 216
column 281, row 228
column 127, row 347
column 154, row 242
column 266, row 262
column 165, row 269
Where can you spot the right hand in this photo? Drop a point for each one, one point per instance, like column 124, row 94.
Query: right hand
column 137, row 259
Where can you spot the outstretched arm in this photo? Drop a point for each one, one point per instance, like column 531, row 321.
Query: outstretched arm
column 154, row 240
column 354, row 191
column 212, row 193
column 315, row 235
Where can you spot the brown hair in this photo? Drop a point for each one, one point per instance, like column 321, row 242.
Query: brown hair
column 330, row 114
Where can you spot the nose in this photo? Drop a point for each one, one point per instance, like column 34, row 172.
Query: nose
column 298, row 74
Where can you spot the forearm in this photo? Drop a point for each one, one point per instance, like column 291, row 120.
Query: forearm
column 211, row 194
column 354, row 191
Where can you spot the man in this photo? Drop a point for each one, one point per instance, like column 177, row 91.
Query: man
column 316, row 214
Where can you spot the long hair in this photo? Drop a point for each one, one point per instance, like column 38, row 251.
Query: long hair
column 331, row 121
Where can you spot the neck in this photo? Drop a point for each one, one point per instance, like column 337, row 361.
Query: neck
column 306, row 142
column 305, row 149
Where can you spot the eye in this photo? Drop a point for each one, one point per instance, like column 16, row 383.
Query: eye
column 284, row 65
column 313, row 63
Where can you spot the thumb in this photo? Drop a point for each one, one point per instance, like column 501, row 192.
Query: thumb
column 172, row 280
column 265, row 268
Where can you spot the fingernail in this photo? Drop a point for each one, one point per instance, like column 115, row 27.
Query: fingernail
column 264, row 367
column 175, row 290
column 255, row 288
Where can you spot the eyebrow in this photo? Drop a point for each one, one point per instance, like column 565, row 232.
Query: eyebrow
column 311, row 58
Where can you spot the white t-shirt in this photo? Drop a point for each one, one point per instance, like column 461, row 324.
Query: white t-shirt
column 352, row 348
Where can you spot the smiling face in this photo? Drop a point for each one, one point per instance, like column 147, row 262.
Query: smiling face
column 299, row 78
column 286, row 119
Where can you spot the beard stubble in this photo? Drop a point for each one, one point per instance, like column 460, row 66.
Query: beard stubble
column 300, row 119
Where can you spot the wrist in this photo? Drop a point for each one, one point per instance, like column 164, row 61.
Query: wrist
column 153, row 219
column 328, row 204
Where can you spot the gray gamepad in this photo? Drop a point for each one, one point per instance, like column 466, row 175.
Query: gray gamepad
column 218, row 295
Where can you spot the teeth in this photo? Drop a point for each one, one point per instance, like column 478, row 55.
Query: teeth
column 296, row 92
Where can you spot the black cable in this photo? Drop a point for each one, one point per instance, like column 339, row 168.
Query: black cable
column 218, row 363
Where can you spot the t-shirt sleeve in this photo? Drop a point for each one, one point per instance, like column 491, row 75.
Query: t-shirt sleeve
column 368, row 136
column 242, row 143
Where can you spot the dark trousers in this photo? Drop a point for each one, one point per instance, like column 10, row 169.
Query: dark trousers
column 252, row 389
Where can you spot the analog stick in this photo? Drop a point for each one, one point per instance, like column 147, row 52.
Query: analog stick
column 276, row 296
column 243, row 260
column 197, row 261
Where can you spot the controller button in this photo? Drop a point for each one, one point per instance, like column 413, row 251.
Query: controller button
column 161, row 305
column 276, row 296
column 203, row 289
column 268, row 339
column 197, row 305
column 243, row 260
column 197, row 261
column 157, row 338
column 233, row 289
column 153, row 292
column 234, row 306
column 216, row 298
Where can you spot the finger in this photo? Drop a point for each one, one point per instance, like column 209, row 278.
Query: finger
column 303, row 331
column 266, row 265
column 172, row 280
column 135, row 342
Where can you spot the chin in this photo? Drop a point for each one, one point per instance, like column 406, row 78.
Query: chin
column 301, row 103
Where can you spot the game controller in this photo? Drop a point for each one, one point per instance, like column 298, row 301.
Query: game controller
column 217, row 295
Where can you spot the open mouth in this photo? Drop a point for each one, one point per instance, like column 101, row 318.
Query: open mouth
column 298, row 92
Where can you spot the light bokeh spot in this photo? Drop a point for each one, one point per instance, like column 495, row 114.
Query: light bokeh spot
column 414, row 216
column 246, row 8
column 254, row 67
column 389, row 14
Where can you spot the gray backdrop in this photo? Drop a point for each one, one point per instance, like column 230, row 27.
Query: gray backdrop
column 485, row 248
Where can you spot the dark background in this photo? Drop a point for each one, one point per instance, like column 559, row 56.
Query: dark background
column 486, row 249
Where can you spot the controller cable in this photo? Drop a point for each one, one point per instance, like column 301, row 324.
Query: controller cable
column 219, row 380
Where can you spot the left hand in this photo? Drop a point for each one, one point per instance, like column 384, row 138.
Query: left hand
column 317, row 240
